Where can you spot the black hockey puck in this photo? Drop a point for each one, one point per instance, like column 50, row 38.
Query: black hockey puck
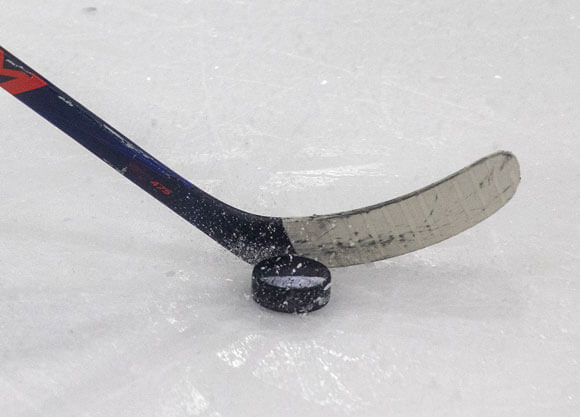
column 291, row 284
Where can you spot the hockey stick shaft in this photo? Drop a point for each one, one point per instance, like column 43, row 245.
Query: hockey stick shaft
column 247, row 235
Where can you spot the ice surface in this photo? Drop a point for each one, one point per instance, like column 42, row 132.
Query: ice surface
column 110, row 305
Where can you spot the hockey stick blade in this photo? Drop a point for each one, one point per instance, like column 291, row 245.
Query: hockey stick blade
column 389, row 229
column 410, row 222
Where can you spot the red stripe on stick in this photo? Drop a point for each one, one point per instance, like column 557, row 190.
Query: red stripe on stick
column 19, row 82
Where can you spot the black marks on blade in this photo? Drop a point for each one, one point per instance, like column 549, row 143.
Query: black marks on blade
column 507, row 158
column 358, row 244
column 364, row 244
column 91, row 10
column 487, row 180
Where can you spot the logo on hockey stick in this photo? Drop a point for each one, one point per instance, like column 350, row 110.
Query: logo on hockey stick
column 18, row 82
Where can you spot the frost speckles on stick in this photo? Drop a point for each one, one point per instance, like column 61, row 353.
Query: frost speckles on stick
column 67, row 101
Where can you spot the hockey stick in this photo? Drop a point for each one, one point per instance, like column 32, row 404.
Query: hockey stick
column 388, row 229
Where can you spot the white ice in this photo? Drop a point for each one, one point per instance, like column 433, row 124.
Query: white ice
column 111, row 305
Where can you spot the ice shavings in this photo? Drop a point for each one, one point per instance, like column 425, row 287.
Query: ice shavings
column 237, row 353
column 187, row 397
column 324, row 382
column 297, row 180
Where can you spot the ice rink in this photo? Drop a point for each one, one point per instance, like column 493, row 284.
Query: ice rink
column 111, row 305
